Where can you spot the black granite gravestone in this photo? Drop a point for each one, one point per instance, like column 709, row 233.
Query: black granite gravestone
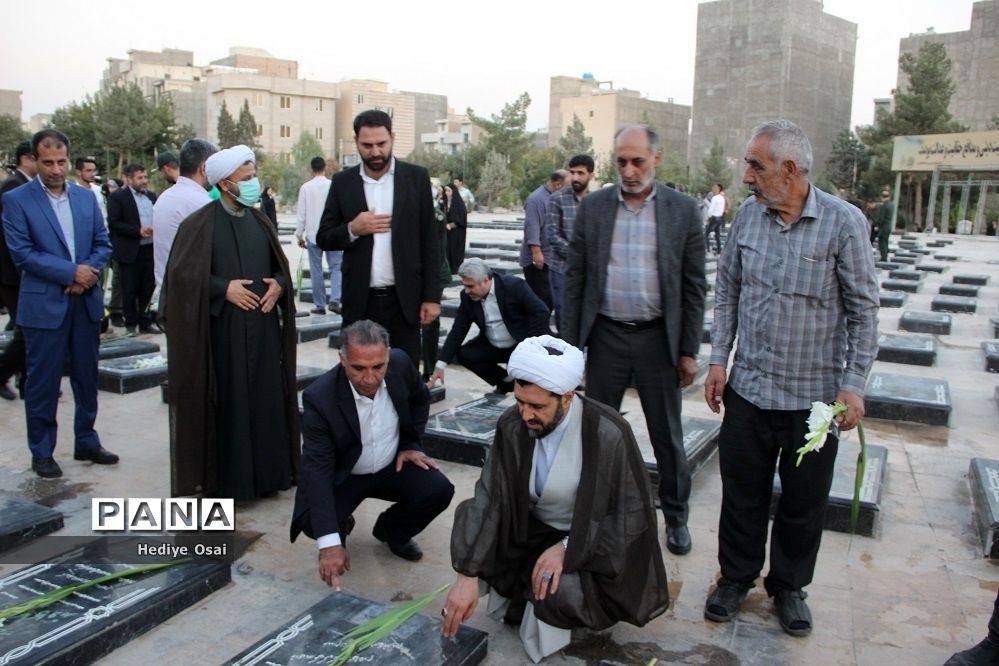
column 980, row 280
column 936, row 244
column 912, row 261
column 90, row 624
column 506, row 268
column 920, row 250
column 983, row 474
column 21, row 521
column 966, row 290
column 995, row 326
column 888, row 265
column 119, row 348
column 905, row 398
column 316, row 637
column 317, row 327
column 910, row 349
column 702, row 371
column 299, row 314
column 307, row 273
column 463, row 434
column 947, row 257
column 931, row 268
column 132, row 373
column 305, row 295
column 901, row 285
column 840, row 500
column 907, row 255
column 905, row 274
column 449, row 307
column 305, row 375
column 892, row 299
column 700, row 440
column 924, row 322
column 706, row 331
column 438, row 394
column 991, row 349
column 953, row 304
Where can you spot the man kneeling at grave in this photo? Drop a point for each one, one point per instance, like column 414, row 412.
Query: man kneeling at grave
column 561, row 531
column 361, row 432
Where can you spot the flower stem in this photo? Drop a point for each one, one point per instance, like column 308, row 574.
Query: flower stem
column 858, row 481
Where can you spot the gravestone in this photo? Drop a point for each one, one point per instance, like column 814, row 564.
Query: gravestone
column 936, row 244
column 966, row 290
column 119, row 348
column 931, row 268
column 983, row 474
column 995, row 326
column 299, row 314
column 316, row 637
column 925, row 322
column 90, row 624
column 438, row 394
column 947, row 257
column 910, row 349
column 132, row 373
column 905, row 398
column 888, row 265
column 449, row 307
column 702, row 371
column 317, row 327
column 700, row 440
column 980, row 280
column 840, row 501
column 307, row 273
column 901, row 285
column 953, row 304
column 305, row 375
column 21, row 521
column 912, row 261
column 991, row 349
column 892, row 299
column 463, row 434
column 706, row 331
column 907, row 255
column 905, row 274
column 920, row 250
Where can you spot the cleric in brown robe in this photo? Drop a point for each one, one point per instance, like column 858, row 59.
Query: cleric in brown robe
column 229, row 315
column 561, row 531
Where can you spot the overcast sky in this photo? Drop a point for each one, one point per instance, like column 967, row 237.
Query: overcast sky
column 479, row 54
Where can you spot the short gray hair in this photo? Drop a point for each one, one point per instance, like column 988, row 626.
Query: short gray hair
column 650, row 133
column 363, row 333
column 474, row 269
column 788, row 142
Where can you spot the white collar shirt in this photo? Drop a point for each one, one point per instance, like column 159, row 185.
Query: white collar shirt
column 546, row 449
column 379, row 430
column 380, row 196
column 311, row 202
column 496, row 331
column 171, row 208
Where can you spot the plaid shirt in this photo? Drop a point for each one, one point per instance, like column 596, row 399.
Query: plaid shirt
column 631, row 291
column 803, row 299
column 558, row 232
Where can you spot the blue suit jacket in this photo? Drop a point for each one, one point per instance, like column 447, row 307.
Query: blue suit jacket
column 38, row 247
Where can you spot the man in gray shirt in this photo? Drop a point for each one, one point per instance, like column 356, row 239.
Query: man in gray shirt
column 796, row 283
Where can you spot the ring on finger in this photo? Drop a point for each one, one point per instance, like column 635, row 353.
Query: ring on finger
column 546, row 576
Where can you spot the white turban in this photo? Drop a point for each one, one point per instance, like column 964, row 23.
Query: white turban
column 531, row 362
column 224, row 163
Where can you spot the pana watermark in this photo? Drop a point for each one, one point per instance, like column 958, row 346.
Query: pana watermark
column 155, row 514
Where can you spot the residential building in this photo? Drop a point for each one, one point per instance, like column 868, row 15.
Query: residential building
column 10, row 103
column 356, row 95
column 560, row 87
column 452, row 134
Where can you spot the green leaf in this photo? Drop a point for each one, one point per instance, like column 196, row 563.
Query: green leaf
column 858, row 480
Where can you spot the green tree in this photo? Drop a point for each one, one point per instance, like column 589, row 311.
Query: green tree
column 848, row 160
column 574, row 142
column 11, row 134
column 506, row 135
column 127, row 125
column 714, row 168
column 228, row 134
column 306, row 147
column 78, row 121
column 495, row 185
column 606, row 170
column 246, row 127
column 673, row 169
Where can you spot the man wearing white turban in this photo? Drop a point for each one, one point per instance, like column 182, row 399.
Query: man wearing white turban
column 561, row 531
column 229, row 315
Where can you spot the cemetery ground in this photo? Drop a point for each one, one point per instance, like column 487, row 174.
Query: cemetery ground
column 914, row 593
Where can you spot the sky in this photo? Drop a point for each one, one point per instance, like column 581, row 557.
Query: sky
column 481, row 55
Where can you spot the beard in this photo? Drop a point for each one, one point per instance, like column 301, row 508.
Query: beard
column 579, row 187
column 550, row 427
column 376, row 163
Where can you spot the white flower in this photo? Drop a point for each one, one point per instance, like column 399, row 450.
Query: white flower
column 819, row 418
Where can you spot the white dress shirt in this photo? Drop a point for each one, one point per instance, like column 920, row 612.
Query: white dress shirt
column 716, row 207
column 171, row 208
column 496, row 331
column 311, row 201
column 380, row 195
column 379, row 441
column 96, row 189
column 546, row 448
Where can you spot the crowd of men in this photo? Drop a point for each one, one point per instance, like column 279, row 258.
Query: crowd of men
column 562, row 530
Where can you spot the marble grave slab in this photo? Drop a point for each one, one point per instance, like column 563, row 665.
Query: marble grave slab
column 947, row 257
column 905, row 274
column 980, row 280
column 912, row 349
column 991, row 350
column 983, row 475
column 954, row 304
column 931, row 268
column 901, row 285
column 892, row 299
column 132, row 373
column 966, row 290
column 305, row 375
column 317, row 327
column 888, row 265
column 912, row 261
column 925, row 322
column 906, row 398
column 22, row 521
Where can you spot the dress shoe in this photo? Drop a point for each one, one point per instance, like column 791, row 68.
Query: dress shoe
column 6, row 393
column 982, row 654
column 150, row 328
column 335, row 307
column 130, row 331
column 47, row 468
column 792, row 611
column 678, row 540
column 407, row 551
column 723, row 604
column 117, row 319
column 317, row 311
column 99, row 456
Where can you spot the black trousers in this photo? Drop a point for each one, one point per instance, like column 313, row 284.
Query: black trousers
column 537, row 280
column 615, row 355
column 482, row 358
column 384, row 309
column 12, row 358
column 751, row 444
column 420, row 495
column 715, row 225
column 429, row 340
column 137, row 286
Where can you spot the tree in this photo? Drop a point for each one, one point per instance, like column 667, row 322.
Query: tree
column 714, row 168
column 672, row 169
column 11, row 134
column 506, row 135
column 574, row 142
column 607, row 171
column 126, row 124
column 306, row 147
column 227, row 128
column 246, row 127
column 495, row 183
column 848, row 160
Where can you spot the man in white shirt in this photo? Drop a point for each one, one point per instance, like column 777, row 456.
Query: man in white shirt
column 716, row 215
column 86, row 176
column 188, row 194
column 361, row 430
column 311, row 200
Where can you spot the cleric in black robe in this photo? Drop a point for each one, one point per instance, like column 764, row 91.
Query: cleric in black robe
column 229, row 316
column 457, row 226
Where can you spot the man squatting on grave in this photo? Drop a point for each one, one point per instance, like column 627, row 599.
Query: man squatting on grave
column 561, row 531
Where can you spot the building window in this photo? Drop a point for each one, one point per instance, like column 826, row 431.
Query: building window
column 319, row 132
column 260, row 130
column 258, row 99
column 319, row 105
column 285, row 102
column 390, row 113
column 285, row 132
column 360, row 98
column 465, row 137
column 591, row 114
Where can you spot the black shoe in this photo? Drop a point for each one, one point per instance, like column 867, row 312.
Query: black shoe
column 117, row 320
column 350, row 525
column 407, row 551
column 982, row 654
column 130, row 331
column 792, row 611
column 335, row 307
column 317, row 311
column 723, row 604
column 47, row 468
column 678, row 540
column 150, row 328
column 6, row 393
column 99, row 456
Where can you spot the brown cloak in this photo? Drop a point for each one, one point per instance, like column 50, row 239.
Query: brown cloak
column 613, row 542
column 186, row 317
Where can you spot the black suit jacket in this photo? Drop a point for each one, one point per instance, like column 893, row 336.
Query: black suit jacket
column 524, row 314
column 10, row 275
column 415, row 246
column 124, row 224
column 331, row 438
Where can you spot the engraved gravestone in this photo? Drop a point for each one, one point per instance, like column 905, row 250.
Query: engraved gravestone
column 887, row 265
column 925, row 322
column 119, row 348
column 706, row 331
column 966, row 290
column 905, row 274
column 21, row 521
column 991, row 349
column 305, row 375
column 909, row 348
column 892, row 299
column 317, row 327
column 700, row 440
column 984, row 477
column 931, row 268
column 904, row 398
column 912, row 261
column 132, row 373
column 463, row 434
column 980, row 280
column 316, row 637
column 90, row 624
column 994, row 321
column 901, row 285
column 449, row 307
column 953, row 304
column 946, row 257
column 840, row 501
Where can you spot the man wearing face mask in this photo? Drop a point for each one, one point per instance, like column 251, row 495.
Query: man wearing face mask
column 229, row 313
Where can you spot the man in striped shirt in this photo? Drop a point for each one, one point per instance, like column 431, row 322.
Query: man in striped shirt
column 796, row 284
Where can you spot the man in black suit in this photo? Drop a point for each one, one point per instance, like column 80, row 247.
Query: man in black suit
column 381, row 214
column 506, row 310
column 12, row 358
column 130, row 221
column 361, row 430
